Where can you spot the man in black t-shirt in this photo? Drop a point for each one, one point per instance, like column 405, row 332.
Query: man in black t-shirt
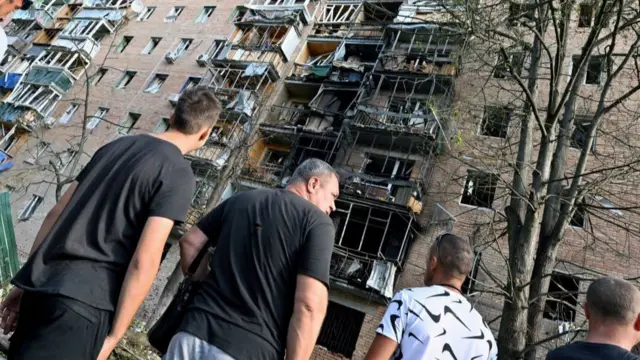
column 267, row 288
column 613, row 311
column 98, row 250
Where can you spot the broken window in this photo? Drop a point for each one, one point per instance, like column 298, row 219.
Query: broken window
column 515, row 60
column 203, row 192
column 341, row 329
column 580, row 133
column 595, row 69
column 312, row 147
column 97, row 77
column 416, row 107
column 205, row 14
column 9, row 140
column 97, row 118
column 495, row 121
column 562, row 298
column 519, row 13
column 64, row 160
column 31, row 207
column 146, row 13
column 123, row 43
column 479, row 189
column 183, row 46
column 469, row 284
column 585, row 15
column 156, row 83
column 125, row 79
column 153, row 43
column 68, row 114
column 163, row 125
column 216, row 48
column 274, row 157
column 192, row 81
column 128, row 123
column 173, row 14
column 374, row 231
column 41, row 146
column 579, row 218
column 388, row 167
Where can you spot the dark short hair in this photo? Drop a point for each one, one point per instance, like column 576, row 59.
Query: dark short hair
column 197, row 108
column 613, row 299
column 454, row 254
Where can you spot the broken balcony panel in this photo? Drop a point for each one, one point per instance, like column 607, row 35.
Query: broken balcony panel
column 426, row 11
column 106, row 3
column 244, row 17
column 353, row 20
column 89, row 48
column 281, row 39
column 267, row 157
column 256, row 77
column 334, row 101
column 283, row 5
column 302, row 117
column 73, row 63
column 372, row 232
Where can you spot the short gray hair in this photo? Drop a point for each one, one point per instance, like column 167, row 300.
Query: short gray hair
column 310, row 168
column 454, row 254
column 613, row 299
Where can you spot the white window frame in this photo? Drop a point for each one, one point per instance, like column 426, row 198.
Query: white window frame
column 156, row 83
column 152, row 45
column 182, row 47
column 65, row 159
column 128, row 123
column 162, row 126
column 41, row 146
column 68, row 114
column 30, row 209
column 124, row 43
column 205, row 14
column 173, row 15
column 97, row 118
column 146, row 13
column 125, row 80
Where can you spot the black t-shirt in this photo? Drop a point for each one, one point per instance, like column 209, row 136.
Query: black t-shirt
column 582, row 350
column 264, row 239
column 86, row 254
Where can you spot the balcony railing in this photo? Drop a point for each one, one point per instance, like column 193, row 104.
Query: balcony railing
column 266, row 174
column 370, row 275
column 400, row 194
column 87, row 47
column 426, row 122
column 44, row 18
column 255, row 77
column 283, row 5
column 301, row 118
column 373, row 32
column 58, row 79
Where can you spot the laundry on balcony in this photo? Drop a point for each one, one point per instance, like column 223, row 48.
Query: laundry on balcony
column 9, row 80
column 255, row 69
column 381, row 278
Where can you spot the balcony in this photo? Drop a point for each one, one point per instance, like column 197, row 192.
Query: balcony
column 302, row 118
column 371, row 245
column 61, row 60
column 274, row 157
column 88, row 47
column 421, row 11
column 256, row 42
column 106, row 3
column 353, row 20
column 44, row 18
column 39, row 98
column 245, row 16
column 58, row 79
column 253, row 77
column 342, row 62
column 282, row 5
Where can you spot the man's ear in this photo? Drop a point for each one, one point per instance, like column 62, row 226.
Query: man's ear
column 312, row 184
column 586, row 310
column 636, row 323
column 204, row 135
column 171, row 120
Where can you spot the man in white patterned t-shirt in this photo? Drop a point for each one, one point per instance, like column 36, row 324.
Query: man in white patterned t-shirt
column 436, row 321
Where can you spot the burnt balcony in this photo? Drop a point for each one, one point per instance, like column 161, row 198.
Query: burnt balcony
column 353, row 20
column 244, row 16
column 283, row 5
column 234, row 76
column 302, row 118
column 277, row 153
column 370, row 247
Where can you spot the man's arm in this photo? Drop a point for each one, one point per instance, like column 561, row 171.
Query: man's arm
column 142, row 270
column 309, row 309
column 190, row 245
column 52, row 217
column 390, row 331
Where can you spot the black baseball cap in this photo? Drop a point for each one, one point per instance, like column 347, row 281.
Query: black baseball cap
column 26, row 4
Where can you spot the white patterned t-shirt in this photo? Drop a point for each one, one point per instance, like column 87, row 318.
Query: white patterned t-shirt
column 434, row 323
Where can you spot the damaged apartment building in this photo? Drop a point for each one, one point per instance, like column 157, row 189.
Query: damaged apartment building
column 369, row 90
column 49, row 48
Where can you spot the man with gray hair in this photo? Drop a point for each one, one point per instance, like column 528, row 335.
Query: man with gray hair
column 613, row 311
column 436, row 321
column 267, row 287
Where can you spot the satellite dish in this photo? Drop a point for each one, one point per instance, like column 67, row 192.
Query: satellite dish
column 137, row 6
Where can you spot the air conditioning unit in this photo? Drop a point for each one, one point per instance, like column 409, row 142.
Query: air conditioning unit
column 49, row 121
column 170, row 57
column 173, row 99
column 203, row 60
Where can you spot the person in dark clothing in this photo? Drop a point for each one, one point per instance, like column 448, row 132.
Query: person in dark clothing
column 613, row 311
column 98, row 250
column 267, row 287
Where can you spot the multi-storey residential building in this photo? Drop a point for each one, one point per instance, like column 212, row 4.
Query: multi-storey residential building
column 373, row 87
